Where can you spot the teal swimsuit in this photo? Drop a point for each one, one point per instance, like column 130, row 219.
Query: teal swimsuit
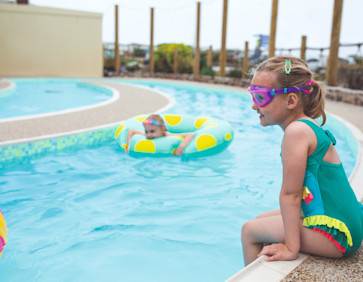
column 329, row 205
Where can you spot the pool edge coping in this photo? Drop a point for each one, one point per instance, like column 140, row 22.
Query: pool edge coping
column 356, row 177
column 9, row 87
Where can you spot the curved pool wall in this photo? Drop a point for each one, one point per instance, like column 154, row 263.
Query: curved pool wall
column 18, row 154
column 8, row 90
column 50, row 97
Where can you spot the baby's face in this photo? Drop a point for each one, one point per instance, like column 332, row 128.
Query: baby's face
column 153, row 131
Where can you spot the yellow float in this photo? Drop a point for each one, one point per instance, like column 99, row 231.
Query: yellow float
column 3, row 233
column 211, row 136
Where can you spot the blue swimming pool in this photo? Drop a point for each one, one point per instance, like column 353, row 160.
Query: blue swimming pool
column 95, row 214
column 40, row 96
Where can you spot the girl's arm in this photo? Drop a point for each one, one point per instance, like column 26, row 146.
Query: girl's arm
column 188, row 137
column 131, row 133
column 294, row 153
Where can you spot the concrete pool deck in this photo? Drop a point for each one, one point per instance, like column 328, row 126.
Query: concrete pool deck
column 135, row 100
column 131, row 101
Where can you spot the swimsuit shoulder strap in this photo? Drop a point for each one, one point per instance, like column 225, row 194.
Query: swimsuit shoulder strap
column 324, row 139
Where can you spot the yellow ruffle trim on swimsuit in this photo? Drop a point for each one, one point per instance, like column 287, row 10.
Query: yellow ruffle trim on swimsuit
column 320, row 221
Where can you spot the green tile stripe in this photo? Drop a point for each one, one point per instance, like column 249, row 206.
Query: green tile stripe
column 22, row 153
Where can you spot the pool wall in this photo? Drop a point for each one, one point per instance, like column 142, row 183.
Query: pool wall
column 354, row 138
column 6, row 88
column 16, row 154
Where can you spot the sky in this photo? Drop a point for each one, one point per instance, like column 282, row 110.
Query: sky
column 175, row 22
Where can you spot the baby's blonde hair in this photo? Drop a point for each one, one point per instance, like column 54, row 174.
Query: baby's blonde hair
column 157, row 118
column 312, row 103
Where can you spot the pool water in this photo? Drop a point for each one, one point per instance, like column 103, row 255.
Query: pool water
column 40, row 96
column 96, row 214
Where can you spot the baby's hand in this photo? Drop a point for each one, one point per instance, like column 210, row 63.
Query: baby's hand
column 178, row 152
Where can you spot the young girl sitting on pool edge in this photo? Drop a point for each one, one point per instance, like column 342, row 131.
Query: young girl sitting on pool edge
column 331, row 220
column 155, row 127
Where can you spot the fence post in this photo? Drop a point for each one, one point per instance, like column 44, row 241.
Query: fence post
column 245, row 62
column 103, row 56
column 210, row 57
column 175, row 64
column 332, row 69
column 117, row 54
column 272, row 38
column 197, row 54
column 151, row 52
column 303, row 48
column 222, row 54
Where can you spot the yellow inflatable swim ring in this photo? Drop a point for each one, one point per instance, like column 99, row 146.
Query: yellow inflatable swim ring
column 211, row 136
column 3, row 233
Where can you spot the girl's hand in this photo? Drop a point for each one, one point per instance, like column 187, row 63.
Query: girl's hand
column 277, row 252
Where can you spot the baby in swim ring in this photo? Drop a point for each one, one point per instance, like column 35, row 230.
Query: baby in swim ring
column 155, row 128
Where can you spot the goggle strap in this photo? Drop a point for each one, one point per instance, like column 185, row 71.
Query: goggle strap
column 151, row 122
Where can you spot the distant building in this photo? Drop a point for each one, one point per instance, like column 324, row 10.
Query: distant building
column 42, row 41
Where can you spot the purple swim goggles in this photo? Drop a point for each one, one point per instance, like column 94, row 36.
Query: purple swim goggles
column 151, row 122
column 263, row 95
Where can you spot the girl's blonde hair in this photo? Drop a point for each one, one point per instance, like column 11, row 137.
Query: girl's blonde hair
column 312, row 103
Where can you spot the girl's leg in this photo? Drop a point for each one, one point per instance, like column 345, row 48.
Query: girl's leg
column 256, row 232
column 270, row 213
column 314, row 243
column 250, row 248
